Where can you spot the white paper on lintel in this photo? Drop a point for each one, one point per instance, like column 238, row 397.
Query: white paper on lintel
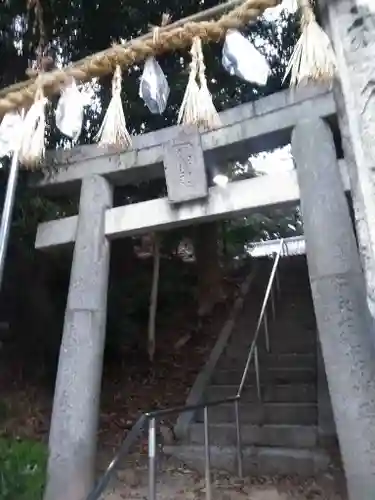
column 241, row 58
column 10, row 128
column 154, row 88
column 69, row 111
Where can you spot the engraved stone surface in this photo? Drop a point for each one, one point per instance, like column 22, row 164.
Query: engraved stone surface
column 339, row 295
column 184, row 167
column 362, row 26
column 359, row 50
column 351, row 24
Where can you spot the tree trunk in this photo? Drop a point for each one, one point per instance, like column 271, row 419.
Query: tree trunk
column 154, row 299
column 208, row 267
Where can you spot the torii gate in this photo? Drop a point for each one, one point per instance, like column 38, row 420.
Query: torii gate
column 246, row 129
column 342, row 297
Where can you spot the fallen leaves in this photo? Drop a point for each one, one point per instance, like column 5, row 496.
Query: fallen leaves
column 176, row 481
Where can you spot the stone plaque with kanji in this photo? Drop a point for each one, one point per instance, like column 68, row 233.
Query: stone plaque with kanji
column 184, row 166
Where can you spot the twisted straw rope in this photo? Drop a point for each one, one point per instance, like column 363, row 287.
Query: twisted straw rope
column 307, row 12
column 134, row 51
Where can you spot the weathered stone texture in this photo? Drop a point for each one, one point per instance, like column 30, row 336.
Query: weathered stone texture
column 184, row 166
column 341, row 309
column 75, row 414
column 351, row 26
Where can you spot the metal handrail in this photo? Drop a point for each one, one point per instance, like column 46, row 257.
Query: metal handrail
column 262, row 319
column 136, row 432
column 253, row 352
column 151, row 417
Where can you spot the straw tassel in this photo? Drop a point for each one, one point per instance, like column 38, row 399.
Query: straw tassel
column 197, row 107
column 189, row 110
column 113, row 131
column 209, row 117
column 313, row 58
column 32, row 149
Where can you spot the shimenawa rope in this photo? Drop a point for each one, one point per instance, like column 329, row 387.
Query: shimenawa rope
column 135, row 51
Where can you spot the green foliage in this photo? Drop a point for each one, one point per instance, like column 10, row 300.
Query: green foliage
column 22, row 470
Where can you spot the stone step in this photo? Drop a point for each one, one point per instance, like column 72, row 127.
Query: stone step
column 256, row 460
column 266, row 413
column 279, row 332
column 282, row 393
column 301, row 309
column 271, row 360
column 267, row 375
column 239, row 350
column 276, row 347
column 293, row 327
column 289, row 436
column 290, row 286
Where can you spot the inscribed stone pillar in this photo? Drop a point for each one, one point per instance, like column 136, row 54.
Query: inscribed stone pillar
column 340, row 303
column 351, row 26
column 72, row 443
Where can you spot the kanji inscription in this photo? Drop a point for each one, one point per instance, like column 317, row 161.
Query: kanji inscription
column 184, row 166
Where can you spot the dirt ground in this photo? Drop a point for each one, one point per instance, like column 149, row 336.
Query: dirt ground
column 175, row 481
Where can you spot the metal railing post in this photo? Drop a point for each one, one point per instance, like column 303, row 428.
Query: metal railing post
column 238, row 439
column 8, row 207
column 152, row 459
column 257, row 374
column 277, row 282
column 207, row 455
column 266, row 333
column 285, row 249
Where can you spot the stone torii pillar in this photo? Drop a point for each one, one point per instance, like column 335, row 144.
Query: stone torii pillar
column 72, row 443
column 340, row 302
column 351, row 26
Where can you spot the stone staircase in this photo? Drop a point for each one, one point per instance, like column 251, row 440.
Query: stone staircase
column 280, row 434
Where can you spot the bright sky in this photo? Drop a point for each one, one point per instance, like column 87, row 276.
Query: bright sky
column 279, row 160
column 290, row 5
column 367, row 3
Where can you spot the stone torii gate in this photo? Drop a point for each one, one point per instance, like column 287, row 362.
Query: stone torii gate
column 246, row 129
